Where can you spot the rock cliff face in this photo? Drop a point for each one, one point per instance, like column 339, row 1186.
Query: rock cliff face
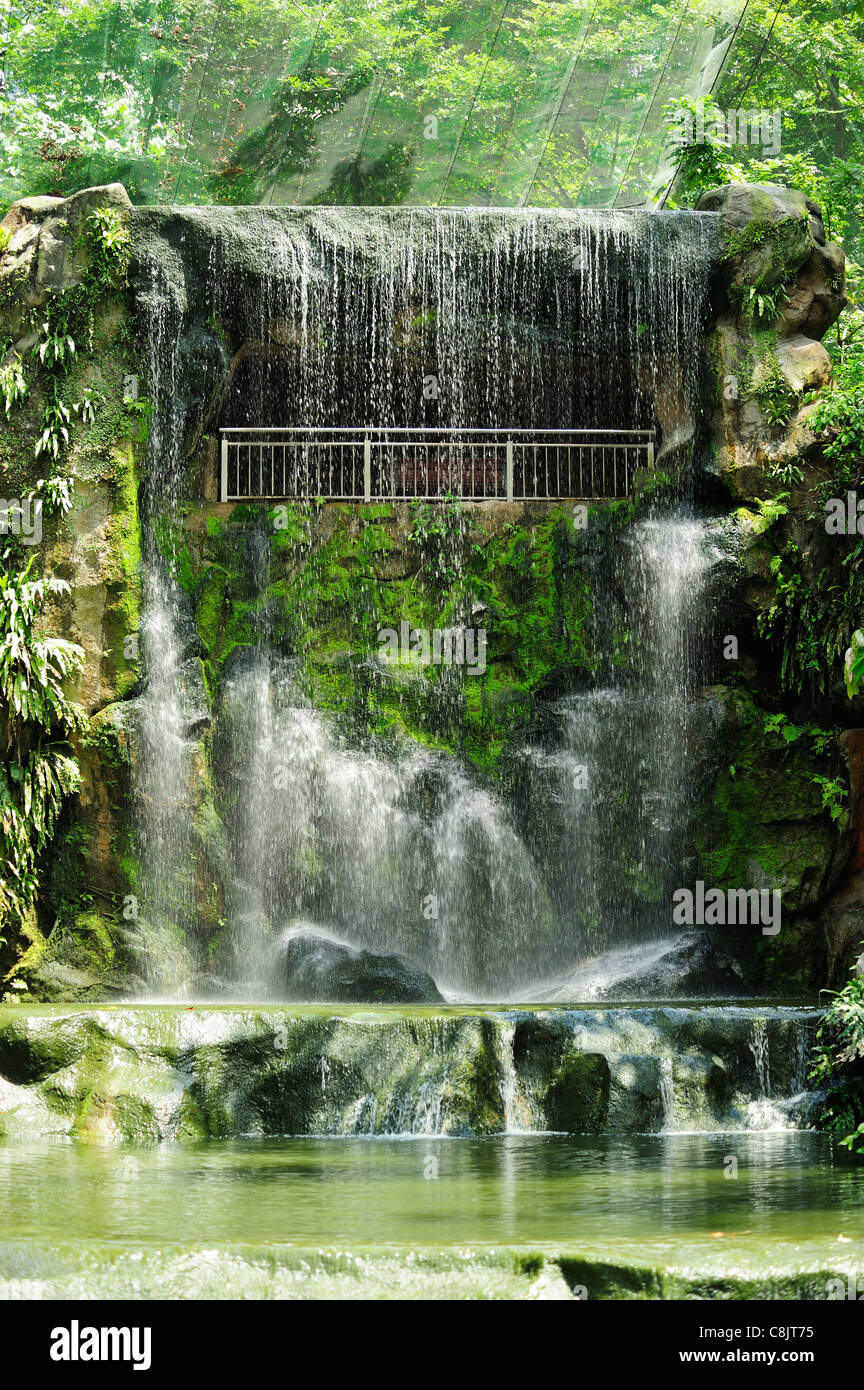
column 332, row 572
column 779, row 289
column 49, row 273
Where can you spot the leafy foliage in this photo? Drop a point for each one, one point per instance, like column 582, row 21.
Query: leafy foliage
column 839, row 413
column 853, row 666
column 811, row 619
column 54, row 346
column 109, row 241
column 13, row 384
column 834, row 794
column 839, row 1065
column 340, row 101
column 37, row 769
column 762, row 304
column 771, row 388
column 36, row 766
column 55, row 429
column 770, row 510
column 699, row 159
column 807, row 61
column 56, row 493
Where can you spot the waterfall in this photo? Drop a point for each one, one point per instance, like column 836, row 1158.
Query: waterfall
column 407, row 854
column 609, row 792
column 332, row 316
column 327, row 316
column 509, row 1082
column 759, row 1047
column 402, row 855
column 667, row 1094
column 162, row 769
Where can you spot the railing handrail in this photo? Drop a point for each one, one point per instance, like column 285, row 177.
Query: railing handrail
column 380, row 461
column 363, row 430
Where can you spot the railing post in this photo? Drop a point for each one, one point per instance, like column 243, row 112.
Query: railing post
column 223, row 481
column 509, row 470
column 651, row 453
column 367, row 469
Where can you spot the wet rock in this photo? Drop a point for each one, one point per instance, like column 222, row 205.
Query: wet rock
column 319, row 969
column 691, row 968
column 193, row 697
column 185, row 1072
column 577, row 1101
column 842, row 923
column 53, row 979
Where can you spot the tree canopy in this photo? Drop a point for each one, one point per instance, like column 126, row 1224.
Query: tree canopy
column 550, row 102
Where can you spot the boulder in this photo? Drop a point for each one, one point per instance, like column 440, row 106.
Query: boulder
column 778, row 284
column 320, row 969
column 45, row 255
column 805, row 364
column 817, row 297
column 741, row 203
column 693, row 967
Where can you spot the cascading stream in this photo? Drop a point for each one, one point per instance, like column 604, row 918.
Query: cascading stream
column 608, row 793
column 162, row 769
column 406, row 854
column 335, row 316
column 361, row 843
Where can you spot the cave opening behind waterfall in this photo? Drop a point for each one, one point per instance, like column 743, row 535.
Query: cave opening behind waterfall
column 495, row 880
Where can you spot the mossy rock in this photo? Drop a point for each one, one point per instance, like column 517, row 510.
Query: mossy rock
column 577, row 1100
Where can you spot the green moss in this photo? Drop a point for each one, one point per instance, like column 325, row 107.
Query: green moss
column 765, row 825
column 340, row 574
column 577, row 1100
column 94, row 938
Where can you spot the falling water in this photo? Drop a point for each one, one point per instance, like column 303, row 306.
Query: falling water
column 508, row 1083
column 609, row 791
column 335, row 316
column 405, row 853
column 400, row 854
column 667, row 1093
column 332, row 316
column 169, row 707
column 759, row 1047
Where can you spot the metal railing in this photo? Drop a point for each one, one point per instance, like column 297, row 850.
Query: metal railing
column 363, row 464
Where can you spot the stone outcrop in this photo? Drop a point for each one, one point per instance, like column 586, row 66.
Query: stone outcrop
column 321, row 969
column 692, row 966
column 74, row 943
column 95, row 547
column 175, row 1073
column 779, row 288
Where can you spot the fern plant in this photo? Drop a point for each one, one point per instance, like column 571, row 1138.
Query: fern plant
column 37, row 769
column 762, row 304
column 56, row 494
column 109, row 235
column 13, row 385
column 770, row 510
column 55, row 429
column 838, row 1065
column 55, row 345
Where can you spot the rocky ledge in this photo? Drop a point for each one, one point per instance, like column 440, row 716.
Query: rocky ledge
column 169, row 1072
